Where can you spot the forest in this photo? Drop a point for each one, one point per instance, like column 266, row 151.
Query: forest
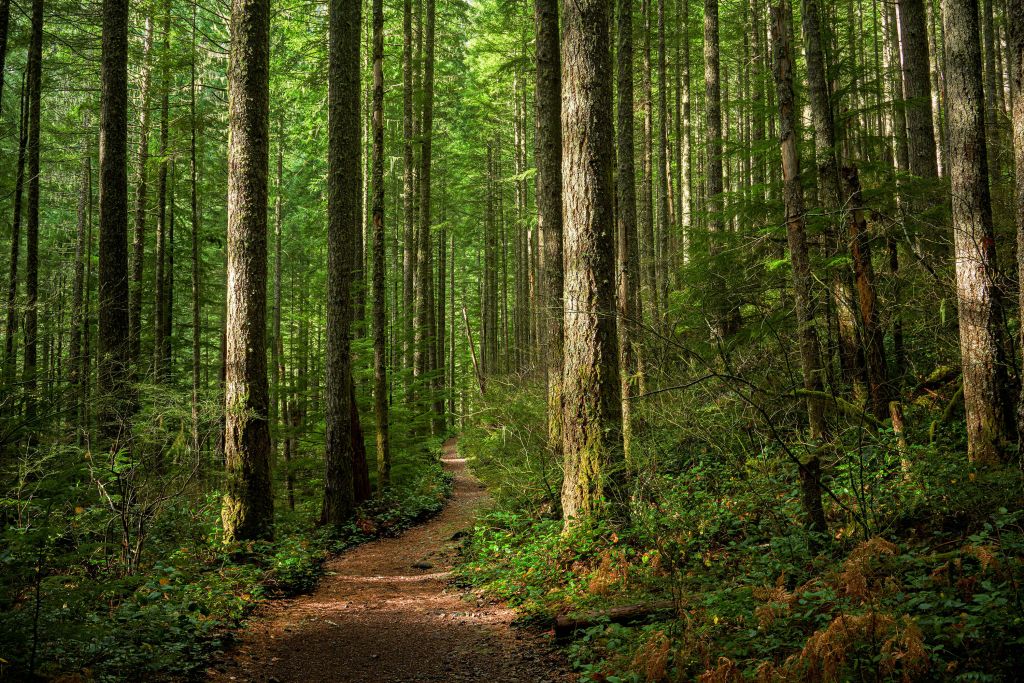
column 512, row 340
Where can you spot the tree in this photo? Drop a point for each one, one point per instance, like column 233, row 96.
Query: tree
column 1016, row 9
column 5, row 17
column 408, row 169
column 248, row 507
column 380, row 368
column 715, row 187
column 139, row 239
column 986, row 401
column 592, row 411
column 424, row 335
column 35, row 81
column 627, row 297
column 796, row 235
column 10, row 352
column 113, row 353
column 548, row 155
column 917, row 88
column 342, row 222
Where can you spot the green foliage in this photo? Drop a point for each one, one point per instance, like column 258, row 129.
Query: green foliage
column 919, row 579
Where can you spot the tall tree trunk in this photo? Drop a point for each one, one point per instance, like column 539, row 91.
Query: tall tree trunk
column 981, row 326
column 864, row 273
column 248, row 508
column 160, row 293
column 139, row 235
column 424, row 337
column 592, row 408
column 380, row 368
column 830, row 194
column 113, row 352
column 686, row 194
column 277, row 397
column 660, row 248
column 35, row 80
column 1016, row 55
column 5, row 17
column 197, row 331
column 78, row 293
column 723, row 322
column 627, row 298
column 342, row 221
column 917, row 88
column 796, row 234
column 408, row 216
column 11, row 329
column 646, row 214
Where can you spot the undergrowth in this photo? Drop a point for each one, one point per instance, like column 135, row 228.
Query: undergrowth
column 920, row 577
column 67, row 607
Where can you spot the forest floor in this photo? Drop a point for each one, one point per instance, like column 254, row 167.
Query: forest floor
column 386, row 612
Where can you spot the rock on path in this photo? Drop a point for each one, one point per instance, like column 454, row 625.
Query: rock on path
column 385, row 613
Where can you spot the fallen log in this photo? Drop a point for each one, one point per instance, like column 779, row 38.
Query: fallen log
column 567, row 624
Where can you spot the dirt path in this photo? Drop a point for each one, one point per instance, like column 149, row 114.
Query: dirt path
column 376, row 618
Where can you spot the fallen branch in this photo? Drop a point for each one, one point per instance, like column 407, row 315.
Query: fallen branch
column 567, row 624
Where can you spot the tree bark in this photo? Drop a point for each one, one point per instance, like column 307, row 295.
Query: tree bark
column 139, row 235
column 424, row 337
column 380, row 369
column 5, row 16
column 35, row 79
column 197, row 331
column 646, row 209
column 592, row 409
column 548, row 157
column 248, row 508
column 11, row 329
column 408, row 215
column 830, row 197
column 342, row 222
column 627, row 297
column 796, row 234
column 113, row 359
column 723, row 322
column 159, row 289
column 76, row 372
column 1016, row 56
column 917, row 88
column 986, row 402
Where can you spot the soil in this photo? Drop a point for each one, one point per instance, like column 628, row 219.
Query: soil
column 387, row 612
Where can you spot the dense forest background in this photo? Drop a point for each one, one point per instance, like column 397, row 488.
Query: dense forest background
column 723, row 300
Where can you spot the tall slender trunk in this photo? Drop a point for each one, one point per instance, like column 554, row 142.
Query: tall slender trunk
column 5, row 17
column 380, row 368
column 160, row 293
column 408, row 239
column 592, row 407
column 197, row 332
column 830, row 196
column 986, row 402
column 724, row 325
column 35, row 80
column 10, row 352
column 113, row 352
column 646, row 214
column 139, row 235
column 424, row 337
column 76, row 371
column 917, row 88
column 248, row 507
column 1016, row 55
column 627, row 298
column 796, row 234
column 660, row 247
column 342, row 221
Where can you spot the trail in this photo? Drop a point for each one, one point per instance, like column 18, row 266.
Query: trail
column 375, row 618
